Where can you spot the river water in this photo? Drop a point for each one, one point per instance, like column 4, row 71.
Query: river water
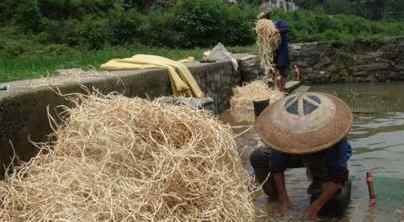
column 377, row 138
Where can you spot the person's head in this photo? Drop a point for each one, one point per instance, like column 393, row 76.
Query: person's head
column 264, row 15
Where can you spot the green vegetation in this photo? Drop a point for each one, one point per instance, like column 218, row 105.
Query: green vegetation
column 37, row 65
column 39, row 36
column 318, row 26
column 370, row 9
column 95, row 24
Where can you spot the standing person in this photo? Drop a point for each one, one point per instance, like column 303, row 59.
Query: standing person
column 281, row 54
column 307, row 130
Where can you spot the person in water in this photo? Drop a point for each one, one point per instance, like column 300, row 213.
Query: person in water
column 305, row 130
column 281, row 54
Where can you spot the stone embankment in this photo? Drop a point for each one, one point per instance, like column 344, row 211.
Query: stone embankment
column 326, row 62
column 359, row 61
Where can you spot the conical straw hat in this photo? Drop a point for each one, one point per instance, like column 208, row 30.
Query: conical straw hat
column 304, row 123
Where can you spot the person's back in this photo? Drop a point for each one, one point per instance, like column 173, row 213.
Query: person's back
column 282, row 53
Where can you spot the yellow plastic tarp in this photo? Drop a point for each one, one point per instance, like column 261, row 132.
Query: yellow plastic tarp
column 182, row 81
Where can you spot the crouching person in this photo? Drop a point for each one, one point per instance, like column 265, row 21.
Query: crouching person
column 306, row 130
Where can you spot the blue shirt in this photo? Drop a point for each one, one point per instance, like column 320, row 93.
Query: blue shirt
column 282, row 53
column 336, row 156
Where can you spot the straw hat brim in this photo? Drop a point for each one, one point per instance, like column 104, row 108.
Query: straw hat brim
column 286, row 141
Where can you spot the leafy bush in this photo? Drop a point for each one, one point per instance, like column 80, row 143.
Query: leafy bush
column 201, row 22
column 318, row 26
column 28, row 15
column 239, row 25
column 93, row 33
column 124, row 26
column 63, row 9
column 158, row 29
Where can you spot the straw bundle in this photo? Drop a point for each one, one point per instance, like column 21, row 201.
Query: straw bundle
column 268, row 40
column 121, row 159
column 242, row 108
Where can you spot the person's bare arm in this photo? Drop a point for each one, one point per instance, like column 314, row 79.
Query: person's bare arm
column 327, row 192
column 284, row 200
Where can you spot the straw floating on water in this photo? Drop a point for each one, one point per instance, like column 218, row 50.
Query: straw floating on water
column 121, row 159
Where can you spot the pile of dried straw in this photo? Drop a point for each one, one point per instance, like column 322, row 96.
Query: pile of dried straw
column 121, row 159
column 242, row 108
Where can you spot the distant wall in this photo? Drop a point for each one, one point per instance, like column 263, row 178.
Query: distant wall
column 353, row 62
column 23, row 110
column 358, row 61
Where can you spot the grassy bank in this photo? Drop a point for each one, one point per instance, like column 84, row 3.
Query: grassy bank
column 37, row 65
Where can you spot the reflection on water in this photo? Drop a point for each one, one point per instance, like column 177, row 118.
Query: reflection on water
column 377, row 138
column 369, row 98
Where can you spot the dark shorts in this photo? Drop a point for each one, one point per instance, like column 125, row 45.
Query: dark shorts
column 265, row 162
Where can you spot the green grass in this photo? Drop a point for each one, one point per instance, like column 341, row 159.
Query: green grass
column 35, row 66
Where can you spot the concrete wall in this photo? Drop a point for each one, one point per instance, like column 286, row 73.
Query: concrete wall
column 23, row 110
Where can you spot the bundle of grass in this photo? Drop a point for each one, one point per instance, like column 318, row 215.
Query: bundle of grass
column 121, row 159
column 242, row 108
column 268, row 39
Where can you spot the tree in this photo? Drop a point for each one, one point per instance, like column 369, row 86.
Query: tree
column 28, row 14
column 7, row 10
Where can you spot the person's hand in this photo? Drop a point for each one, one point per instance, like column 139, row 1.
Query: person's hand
column 311, row 212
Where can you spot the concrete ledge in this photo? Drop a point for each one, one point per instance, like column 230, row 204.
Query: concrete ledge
column 23, row 109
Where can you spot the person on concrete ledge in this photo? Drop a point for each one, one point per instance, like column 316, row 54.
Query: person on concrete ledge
column 306, row 130
column 281, row 54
